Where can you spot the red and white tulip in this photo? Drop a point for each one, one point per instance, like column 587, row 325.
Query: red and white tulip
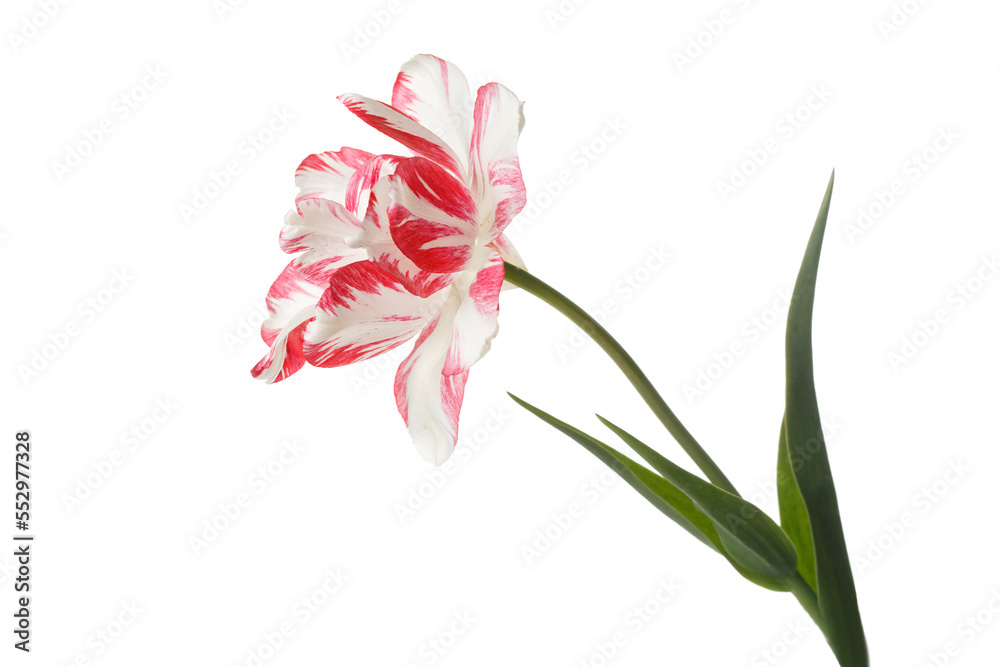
column 391, row 247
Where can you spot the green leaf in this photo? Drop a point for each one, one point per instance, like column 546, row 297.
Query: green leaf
column 804, row 455
column 661, row 493
column 670, row 500
column 794, row 518
column 748, row 535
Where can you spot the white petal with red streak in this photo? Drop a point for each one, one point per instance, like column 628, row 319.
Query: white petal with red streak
column 507, row 250
column 428, row 400
column 432, row 217
column 290, row 304
column 496, row 172
column 509, row 254
column 363, row 313
column 285, row 355
column 319, row 229
column 326, row 174
column 376, row 238
column 359, row 189
column 436, row 94
column 405, row 130
column 475, row 323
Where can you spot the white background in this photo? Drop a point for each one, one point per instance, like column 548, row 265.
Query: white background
column 661, row 136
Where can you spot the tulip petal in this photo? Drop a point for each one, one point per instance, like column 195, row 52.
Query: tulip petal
column 432, row 217
column 436, row 94
column 359, row 188
column 376, row 238
column 319, row 229
column 496, row 172
column 475, row 323
column 428, row 400
column 363, row 313
column 284, row 357
column 508, row 252
column 290, row 304
column 405, row 130
column 326, row 175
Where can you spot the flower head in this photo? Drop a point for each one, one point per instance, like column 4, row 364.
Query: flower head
column 393, row 247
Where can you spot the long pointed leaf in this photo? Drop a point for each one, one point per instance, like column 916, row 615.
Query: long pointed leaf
column 666, row 497
column 806, row 454
column 661, row 493
column 749, row 535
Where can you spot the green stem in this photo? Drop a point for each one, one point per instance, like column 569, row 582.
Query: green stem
column 807, row 598
column 851, row 655
column 579, row 317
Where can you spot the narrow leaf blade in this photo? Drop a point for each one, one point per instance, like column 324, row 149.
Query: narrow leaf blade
column 810, row 465
column 661, row 493
column 794, row 517
column 749, row 535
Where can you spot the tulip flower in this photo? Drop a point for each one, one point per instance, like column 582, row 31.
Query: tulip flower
column 391, row 247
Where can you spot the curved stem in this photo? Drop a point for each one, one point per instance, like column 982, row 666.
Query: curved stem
column 579, row 317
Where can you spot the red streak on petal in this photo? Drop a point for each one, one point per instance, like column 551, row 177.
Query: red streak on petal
column 403, row 96
column 413, row 234
column 429, row 182
column 294, row 358
column 444, row 75
column 348, row 157
column 364, row 179
column 485, row 289
column 328, row 356
column 415, row 280
column 426, row 147
column 347, row 281
column 452, row 393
